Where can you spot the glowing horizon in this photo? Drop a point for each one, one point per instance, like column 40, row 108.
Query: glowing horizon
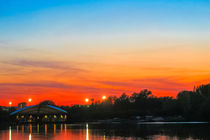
column 67, row 51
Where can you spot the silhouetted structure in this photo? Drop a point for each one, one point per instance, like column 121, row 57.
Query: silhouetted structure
column 142, row 106
column 39, row 113
column 22, row 105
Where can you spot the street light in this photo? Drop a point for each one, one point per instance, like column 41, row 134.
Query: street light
column 10, row 103
column 29, row 99
column 86, row 100
column 104, row 97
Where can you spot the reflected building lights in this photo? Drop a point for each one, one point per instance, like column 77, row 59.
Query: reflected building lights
column 87, row 136
column 61, row 127
column 30, row 126
column 45, row 129
column 37, row 128
column 10, row 133
column 54, row 128
column 65, row 128
column 17, row 129
column 22, row 128
column 30, row 136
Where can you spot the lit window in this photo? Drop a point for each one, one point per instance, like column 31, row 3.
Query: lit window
column 45, row 116
column 38, row 117
column 61, row 116
column 17, row 116
column 30, row 116
column 22, row 116
column 55, row 116
column 65, row 116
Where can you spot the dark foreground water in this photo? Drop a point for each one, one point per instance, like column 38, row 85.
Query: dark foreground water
column 149, row 131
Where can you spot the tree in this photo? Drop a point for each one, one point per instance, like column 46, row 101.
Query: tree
column 203, row 90
column 92, row 100
column 143, row 94
column 122, row 100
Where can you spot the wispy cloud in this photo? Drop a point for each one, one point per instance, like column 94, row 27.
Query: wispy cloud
column 163, row 81
column 44, row 64
column 152, row 83
column 38, row 84
column 112, row 83
column 53, row 84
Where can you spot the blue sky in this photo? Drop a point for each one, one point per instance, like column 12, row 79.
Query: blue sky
column 114, row 15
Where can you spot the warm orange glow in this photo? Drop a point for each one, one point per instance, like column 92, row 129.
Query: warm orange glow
column 106, row 60
column 86, row 100
column 104, row 97
column 100, row 79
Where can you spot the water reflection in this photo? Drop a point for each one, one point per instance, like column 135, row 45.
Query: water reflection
column 30, row 126
column 30, row 136
column 87, row 137
column 54, row 129
column 61, row 127
column 106, row 132
column 10, row 133
column 65, row 128
column 37, row 128
column 22, row 128
column 45, row 129
column 17, row 129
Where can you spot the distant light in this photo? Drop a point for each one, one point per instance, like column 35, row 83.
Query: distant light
column 29, row 99
column 103, row 97
column 86, row 100
column 10, row 103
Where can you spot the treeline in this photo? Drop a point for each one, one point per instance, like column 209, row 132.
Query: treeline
column 4, row 116
column 192, row 105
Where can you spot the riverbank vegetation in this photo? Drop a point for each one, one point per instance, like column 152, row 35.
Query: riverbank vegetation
column 143, row 106
column 188, row 106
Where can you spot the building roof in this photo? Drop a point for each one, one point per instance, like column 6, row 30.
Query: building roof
column 39, row 109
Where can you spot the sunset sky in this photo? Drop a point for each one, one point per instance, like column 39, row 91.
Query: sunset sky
column 69, row 50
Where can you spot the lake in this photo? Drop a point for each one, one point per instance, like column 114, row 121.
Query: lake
column 94, row 131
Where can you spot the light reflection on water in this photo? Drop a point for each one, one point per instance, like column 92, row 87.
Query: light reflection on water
column 87, row 137
column 10, row 133
column 39, row 132
column 30, row 136
column 105, row 132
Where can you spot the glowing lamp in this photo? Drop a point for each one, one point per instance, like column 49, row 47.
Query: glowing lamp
column 103, row 97
column 86, row 100
column 10, row 103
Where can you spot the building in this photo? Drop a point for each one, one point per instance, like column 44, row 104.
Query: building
column 22, row 105
column 39, row 113
column 4, row 108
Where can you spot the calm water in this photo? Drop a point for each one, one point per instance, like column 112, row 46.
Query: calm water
column 153, row 131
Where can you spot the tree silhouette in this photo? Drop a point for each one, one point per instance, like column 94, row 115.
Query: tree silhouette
column 192, row 105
